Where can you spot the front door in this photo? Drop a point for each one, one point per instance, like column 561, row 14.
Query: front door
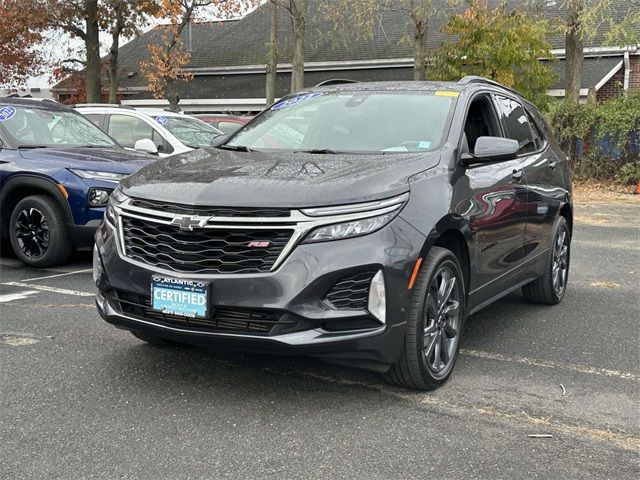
column 495, row 208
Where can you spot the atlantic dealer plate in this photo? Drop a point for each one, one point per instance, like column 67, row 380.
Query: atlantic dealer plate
column 187, row 298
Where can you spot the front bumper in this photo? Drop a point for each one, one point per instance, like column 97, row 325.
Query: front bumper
column 296, row 290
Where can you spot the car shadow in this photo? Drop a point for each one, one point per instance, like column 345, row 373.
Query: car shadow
column 239, row 373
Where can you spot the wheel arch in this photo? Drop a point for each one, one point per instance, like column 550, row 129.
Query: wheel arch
column 566, row 211
column 452, row 232
column 21, row 186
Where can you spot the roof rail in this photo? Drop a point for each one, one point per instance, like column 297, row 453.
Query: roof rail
column 335, row 81
column 111, row 105
column 476, row 79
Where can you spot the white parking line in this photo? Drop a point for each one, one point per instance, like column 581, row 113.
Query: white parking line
column 10, row 297
column 45, row 288
column 550, row 364
column 58, row 275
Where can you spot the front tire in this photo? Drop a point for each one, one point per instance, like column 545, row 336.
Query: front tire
column 552, row 286
column 38, row 233
column 434, row 325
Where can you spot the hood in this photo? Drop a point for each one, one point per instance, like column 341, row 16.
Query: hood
column 113, row 160
column 261, row 179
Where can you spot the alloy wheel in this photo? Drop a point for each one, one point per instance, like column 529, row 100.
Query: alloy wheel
column 560, row 267
column 441, row 321
column 32, row 233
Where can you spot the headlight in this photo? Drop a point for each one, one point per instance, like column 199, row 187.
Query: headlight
column 354, row 228
column 116, row 198
column 98, row 197
column 95, row 175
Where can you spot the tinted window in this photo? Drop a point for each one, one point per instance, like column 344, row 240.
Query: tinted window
column 516, row 122
column 128, row 130
column 352, row 122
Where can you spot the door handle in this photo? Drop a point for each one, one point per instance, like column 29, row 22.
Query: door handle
column 552, row 164
column 517, row 175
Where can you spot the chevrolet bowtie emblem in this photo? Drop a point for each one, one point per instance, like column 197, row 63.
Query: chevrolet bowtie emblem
column 189, row 222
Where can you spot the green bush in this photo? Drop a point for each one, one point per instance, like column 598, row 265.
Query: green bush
column 602, row 140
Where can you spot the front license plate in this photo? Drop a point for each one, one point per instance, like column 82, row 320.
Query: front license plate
column 187, row 298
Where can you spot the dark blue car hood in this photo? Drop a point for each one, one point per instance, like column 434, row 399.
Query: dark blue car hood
column 113, row 160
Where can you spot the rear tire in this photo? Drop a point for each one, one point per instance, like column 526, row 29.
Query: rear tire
column 38, row 233
column 552, row 286
column 434, row 324
column 154, row 340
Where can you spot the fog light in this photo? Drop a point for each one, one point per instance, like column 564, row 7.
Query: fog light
column 377, row 298
column 97, row 266
column 98, row 197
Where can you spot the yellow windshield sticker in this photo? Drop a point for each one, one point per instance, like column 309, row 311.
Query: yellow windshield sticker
column 446, row 93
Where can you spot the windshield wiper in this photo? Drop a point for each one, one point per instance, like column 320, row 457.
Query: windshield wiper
column 235, row 148
column 31, row 146
column 319, row 151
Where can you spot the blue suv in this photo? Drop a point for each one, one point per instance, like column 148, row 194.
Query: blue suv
column 57, row 170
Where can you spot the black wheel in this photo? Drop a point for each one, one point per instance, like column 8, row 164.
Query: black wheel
column 38, row 232
column 154, row 340
column 435, row 324
column 552, row 286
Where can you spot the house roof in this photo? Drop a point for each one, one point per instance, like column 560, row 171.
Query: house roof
column 218, row 47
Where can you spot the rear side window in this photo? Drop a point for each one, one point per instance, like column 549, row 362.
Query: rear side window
column 128, row 130
column 228, row 127
column 95, row 118
column 516, row 123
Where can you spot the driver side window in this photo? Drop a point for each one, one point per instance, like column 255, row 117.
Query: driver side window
column 481, row 121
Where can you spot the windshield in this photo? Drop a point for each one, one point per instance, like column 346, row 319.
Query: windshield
column 22, row 126
column 367, row 122
column 193, row 133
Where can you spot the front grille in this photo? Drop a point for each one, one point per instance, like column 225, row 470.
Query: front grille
column 209, row 211
column 222, row 319
column 204, row 250
column 351, row 293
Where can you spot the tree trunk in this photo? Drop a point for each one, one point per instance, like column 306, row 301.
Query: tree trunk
column 299, row 22
column 574, row 47
column 113, row 65
column 420, row 52
column 92, row 46
column 272, row 54
column 172, row 95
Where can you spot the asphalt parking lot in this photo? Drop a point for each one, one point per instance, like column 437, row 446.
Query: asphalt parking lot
column 81, row 399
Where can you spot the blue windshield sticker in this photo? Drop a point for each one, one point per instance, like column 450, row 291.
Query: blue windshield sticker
column 161, row 120
column 295, row 100
column 7, row 113
column 424, row 144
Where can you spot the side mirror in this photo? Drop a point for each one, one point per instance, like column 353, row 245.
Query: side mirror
column 492, row 149
column 146, row 145
column 219, row 140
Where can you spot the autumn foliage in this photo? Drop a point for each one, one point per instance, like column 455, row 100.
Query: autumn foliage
column 21, row 30
column 500, row 44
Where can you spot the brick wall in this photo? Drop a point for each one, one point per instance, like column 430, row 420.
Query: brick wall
column 634, row 77
column 614, row 86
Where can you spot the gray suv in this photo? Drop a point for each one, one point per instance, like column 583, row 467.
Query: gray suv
column 360, row 224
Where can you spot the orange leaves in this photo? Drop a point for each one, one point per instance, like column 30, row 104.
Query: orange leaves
column 168, row 55
column 22, row 26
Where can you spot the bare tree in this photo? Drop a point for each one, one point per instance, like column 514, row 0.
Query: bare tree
column 272, row 52
column 356, row 19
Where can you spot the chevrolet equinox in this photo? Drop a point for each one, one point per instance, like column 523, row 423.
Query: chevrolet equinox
column 358, row 223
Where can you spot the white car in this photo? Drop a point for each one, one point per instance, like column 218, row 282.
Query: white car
column 150, row 130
